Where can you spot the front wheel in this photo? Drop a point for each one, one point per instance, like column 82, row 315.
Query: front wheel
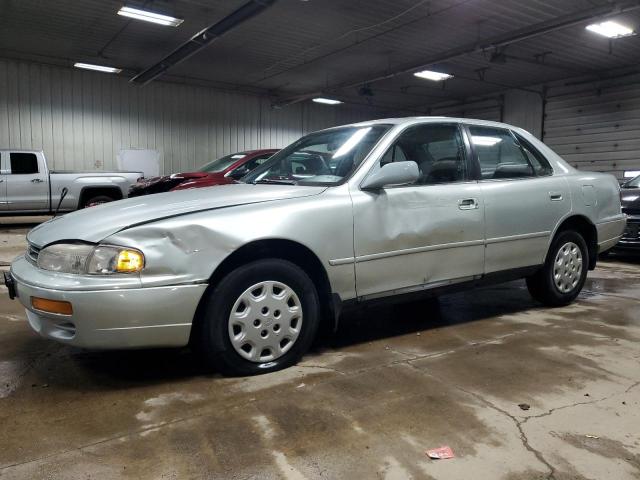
column 260, row 318
column 562, row 277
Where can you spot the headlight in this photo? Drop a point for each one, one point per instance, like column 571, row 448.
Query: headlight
column 89, row 259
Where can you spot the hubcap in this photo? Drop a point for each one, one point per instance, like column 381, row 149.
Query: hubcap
column 265, row 321
column 567, row 268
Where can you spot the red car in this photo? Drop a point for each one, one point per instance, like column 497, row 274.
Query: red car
column 224, row 170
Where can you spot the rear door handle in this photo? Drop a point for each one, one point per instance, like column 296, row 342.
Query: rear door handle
column 37, row 180
column 468, row 204
column 555, row 196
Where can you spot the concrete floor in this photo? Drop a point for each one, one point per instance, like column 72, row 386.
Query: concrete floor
column 366, row 403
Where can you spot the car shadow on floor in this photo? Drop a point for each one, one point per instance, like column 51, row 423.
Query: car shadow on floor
column 134, row 367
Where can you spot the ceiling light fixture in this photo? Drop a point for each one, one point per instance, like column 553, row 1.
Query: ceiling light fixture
column 97, row 68
column 327, row 101
column 610, row 29
column 434, row 76
column 152, row 17
column 484, row 141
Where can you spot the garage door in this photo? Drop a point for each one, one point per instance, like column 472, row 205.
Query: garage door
column 596, row 126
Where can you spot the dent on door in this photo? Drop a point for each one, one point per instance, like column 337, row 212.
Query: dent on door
column 417, row 236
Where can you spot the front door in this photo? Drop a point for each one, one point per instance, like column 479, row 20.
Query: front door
column 27, row 183
column 413, row 237
column 523, row 199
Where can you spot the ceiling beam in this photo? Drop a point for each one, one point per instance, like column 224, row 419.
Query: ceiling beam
column 203, row 39
column 502, row 40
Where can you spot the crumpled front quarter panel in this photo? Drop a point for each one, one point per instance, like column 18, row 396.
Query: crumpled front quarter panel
column 188, row 248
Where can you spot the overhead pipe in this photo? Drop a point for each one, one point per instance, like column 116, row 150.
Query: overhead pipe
column 203, row 39
column 494, row 42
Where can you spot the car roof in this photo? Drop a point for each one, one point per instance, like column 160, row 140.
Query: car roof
column 426, row 119
column 20, row 150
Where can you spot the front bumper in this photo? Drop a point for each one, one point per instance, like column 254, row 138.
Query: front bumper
column 631, row 237
column 114, row 318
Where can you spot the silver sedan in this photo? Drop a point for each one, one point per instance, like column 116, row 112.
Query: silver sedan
column 246, row 273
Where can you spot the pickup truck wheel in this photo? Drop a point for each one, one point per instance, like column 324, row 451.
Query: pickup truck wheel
column 97, row 200
column 260, row 318
column 562, row 277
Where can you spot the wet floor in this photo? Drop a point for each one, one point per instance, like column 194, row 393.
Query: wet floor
column 366, row 403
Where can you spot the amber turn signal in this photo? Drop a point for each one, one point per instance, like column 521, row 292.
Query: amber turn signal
column 129, row 261
column 51, row 306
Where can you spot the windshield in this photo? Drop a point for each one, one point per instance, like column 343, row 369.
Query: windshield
column 633, row 183
column 221, row 164
column 320, row 158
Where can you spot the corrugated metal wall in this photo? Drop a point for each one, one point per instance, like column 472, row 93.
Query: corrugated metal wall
column 596, row 126
column 524, row 109
column 83, row 119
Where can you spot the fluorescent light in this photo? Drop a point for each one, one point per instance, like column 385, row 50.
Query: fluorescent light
column 610, row 29
column 328, row 101
column 97, row 68
column 351, row 142
column 150, row 16
column 485, row 141
column 631, row 173
column 431, row 75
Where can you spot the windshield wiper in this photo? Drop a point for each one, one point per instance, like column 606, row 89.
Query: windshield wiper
column 275, row 181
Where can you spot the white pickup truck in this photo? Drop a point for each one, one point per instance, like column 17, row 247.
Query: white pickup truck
column 27, row 186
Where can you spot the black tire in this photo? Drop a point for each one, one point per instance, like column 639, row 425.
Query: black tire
column 212, row 340
column 97, row 200
column 542, row 285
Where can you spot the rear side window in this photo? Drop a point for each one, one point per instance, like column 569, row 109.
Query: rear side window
column 499, row 154
column 539, row 163
column 23, row 163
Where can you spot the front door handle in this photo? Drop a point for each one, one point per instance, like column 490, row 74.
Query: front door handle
column 555, row 196
column 37, row 180
column 468, row 204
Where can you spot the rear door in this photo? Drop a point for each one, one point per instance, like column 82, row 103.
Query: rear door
column 26, row 182
column 524, row 200
column 4, row 159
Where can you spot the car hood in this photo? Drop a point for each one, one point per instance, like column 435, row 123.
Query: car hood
column 96, row 223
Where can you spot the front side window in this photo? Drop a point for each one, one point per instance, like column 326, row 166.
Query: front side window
column 499, row 154
column 438, row 150
column 23, row 163
column 255, row 162
column 324, row 158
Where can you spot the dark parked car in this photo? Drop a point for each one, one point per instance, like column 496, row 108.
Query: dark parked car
column 218, row 172
column 630, row 199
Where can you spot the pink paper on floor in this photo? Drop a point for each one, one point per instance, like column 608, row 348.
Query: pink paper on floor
column 440, row 453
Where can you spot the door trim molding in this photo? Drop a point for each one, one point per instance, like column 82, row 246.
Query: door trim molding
column 405, row 251
column 523, row 236
column 430, row 248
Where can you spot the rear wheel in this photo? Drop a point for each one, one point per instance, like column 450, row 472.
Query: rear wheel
column 261, row 317
column 97, row 200
column 563, row 275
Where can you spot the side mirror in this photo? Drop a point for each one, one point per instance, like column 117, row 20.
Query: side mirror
column 238, row 173
column 395, row 173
